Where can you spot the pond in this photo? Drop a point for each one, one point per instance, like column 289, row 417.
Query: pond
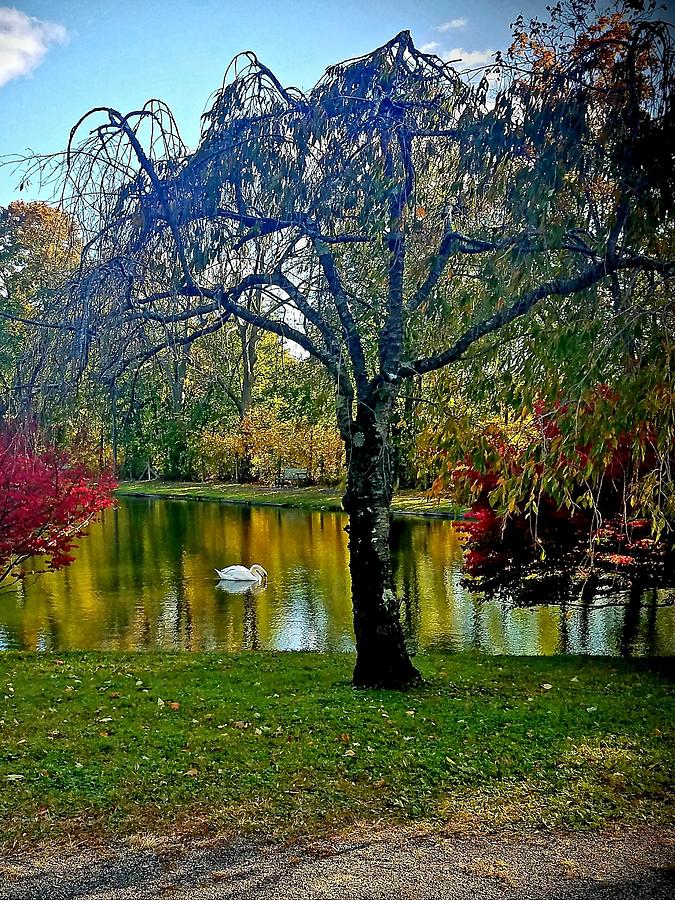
column 144, row 578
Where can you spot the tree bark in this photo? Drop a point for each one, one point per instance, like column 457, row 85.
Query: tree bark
column 382, row 658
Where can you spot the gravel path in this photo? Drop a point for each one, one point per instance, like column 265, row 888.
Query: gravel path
column 400, row 863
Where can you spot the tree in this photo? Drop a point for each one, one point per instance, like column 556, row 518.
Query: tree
column 46, row 501
column 403, row 214
column 39, row 249
column 583, row 398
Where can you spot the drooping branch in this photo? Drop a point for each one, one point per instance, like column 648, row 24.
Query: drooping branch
column 453, row 242
column 559, row 287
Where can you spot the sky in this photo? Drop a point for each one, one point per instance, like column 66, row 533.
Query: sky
column 59, row 58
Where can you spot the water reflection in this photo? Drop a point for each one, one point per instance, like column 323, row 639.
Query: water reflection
column 144, row 578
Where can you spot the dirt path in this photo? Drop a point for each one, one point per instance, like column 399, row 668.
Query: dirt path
column 401, row 863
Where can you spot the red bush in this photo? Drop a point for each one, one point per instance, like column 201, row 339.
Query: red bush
column 606, row 532
column 46, row 500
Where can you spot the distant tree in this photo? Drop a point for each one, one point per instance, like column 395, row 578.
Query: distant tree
column 46, row 501
column 406, row 217
column 39, row 250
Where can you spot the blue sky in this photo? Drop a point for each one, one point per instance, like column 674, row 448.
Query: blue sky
column 58, row 58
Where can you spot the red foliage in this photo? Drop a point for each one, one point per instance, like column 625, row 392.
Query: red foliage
column 46, row 500
column 493, row 540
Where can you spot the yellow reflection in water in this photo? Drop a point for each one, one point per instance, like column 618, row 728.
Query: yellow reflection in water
column 144, row 577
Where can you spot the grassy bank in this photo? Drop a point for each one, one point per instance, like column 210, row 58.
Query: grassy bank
column 405, row 502
column 95, row 743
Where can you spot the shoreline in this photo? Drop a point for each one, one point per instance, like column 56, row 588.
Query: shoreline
column 407, row 503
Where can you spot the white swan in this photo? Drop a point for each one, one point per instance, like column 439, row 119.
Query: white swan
column 255, row 575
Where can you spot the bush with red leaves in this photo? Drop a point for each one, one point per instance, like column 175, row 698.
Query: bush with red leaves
column 46, row 500
column 559, row 535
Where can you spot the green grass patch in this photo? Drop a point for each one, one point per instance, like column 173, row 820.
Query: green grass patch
column 280, row 744
column 405, row 502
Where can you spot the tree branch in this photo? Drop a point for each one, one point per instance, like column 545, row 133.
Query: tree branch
column 349, row 328
column 521, row 306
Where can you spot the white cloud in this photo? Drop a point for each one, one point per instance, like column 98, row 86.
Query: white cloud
column 24, row 41
column 452, row 24
column 469, row 58
column 430, row 47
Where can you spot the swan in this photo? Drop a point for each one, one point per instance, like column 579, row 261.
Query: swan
column 256, row 574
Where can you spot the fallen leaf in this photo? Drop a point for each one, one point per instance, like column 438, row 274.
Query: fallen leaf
column 174, row 705
column 350, row 753
column 191, row 772
column 547, row 687
column 591, row 708
column 14, row 777
column 160, row 702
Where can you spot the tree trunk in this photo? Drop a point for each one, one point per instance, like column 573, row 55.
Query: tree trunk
column 113, row 404
column 381, row 656
column 249, row 337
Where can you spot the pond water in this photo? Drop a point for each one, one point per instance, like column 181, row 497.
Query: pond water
column 144, row 578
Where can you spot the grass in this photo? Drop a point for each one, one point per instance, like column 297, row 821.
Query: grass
column 405, row 502
column 101, row 744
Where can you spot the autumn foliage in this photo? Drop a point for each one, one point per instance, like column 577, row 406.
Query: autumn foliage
column 264, row 444
column 47, row 498
column 553, row 495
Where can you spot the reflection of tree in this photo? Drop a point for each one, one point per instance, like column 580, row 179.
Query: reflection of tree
column 302, row 621
column 631, row 621
column 563, row 629
column 52, row 633
column 584, row 622
column 650, row 634
column 426, row 559
column 251, row 637
column 142, row 629
column 405, row 577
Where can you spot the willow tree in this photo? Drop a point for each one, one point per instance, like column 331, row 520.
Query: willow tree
column 406, row 216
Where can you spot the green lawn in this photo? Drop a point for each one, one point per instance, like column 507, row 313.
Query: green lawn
column 405, row 502
column 280, row 744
